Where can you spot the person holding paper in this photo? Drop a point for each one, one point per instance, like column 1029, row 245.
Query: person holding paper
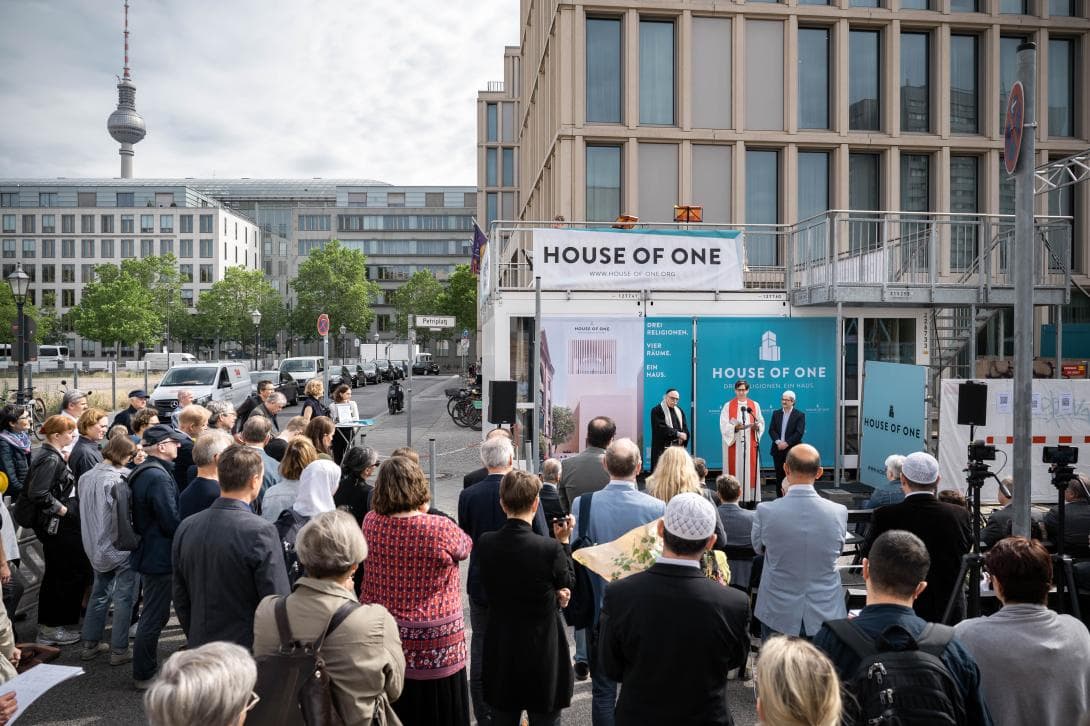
column 344, row 413
column 741, row 425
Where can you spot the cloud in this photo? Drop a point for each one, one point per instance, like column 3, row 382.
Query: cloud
column 257, row 88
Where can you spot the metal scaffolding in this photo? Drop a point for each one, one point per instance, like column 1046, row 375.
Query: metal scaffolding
column 1063, row 173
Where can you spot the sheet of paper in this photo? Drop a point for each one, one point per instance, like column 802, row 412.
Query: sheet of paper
column 1035, row 409
column 32, row 684
column 1003, row 402
column 344, row 412
column 1067, row 403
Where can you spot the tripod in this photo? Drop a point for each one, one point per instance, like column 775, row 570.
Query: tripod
column 971, row 564
column 1061, row 475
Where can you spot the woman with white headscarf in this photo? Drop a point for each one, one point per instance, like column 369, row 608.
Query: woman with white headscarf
column 317, row 485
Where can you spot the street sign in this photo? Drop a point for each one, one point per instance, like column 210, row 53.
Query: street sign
column 463, row 347
column 1012, row 135
column 323, row 325
column 465, row 333
column 435, row 321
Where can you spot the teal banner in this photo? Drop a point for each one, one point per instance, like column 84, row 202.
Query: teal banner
column 774, row 355
column 893, row 417
column 667, row 363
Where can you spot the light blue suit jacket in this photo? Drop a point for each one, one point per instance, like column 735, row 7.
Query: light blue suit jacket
column 802, row 535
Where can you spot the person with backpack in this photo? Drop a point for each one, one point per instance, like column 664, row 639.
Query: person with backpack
column 317, row 484
column 115, row 581
column 889, row 658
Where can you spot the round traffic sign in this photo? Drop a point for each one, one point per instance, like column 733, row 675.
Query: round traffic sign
column 323, row 324
column 1012, row 134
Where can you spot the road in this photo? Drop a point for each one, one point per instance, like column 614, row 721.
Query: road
column 104, row 695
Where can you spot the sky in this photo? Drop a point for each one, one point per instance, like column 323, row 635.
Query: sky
column 382, row 90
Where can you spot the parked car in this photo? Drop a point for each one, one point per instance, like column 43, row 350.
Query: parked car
column 339, row 375
column 402, row 366
column 304, row 368
column 285, row 384
column 206, row 381
column 370, row 370
column 424, row 365
column 359, row 375
column 387, row 370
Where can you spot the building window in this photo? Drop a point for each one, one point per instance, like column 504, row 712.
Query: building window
column 1013, row 7
column 9, row 249
column 49, row 274
column 603, row 183
column 49, row 248
column 657, row 72
column 864, row 85
column 492, row 205
column 68, row 273
column 49, row 224
column 864, row 194
column 963, row 199
column 206, row 273
column 1008, row 72
column 87, row 273
column 166, row 223
column 1061, row 8
column 30, row 224
column 87, row 224
column 508, row 179
column 658, row 181
column 963, row 84
column 125, row 199
column 313, row 223
column 86, row 199
column 1061, row 87
column 206, row 224
column 68, row 298
column 106, row 224
column 490, row 177
column 87, row 248
column 469, row 200
column 185, row 273
column 813, row 78
column 9, row 223
column 915, row 182
column 963, row 6
column 764, row 54
column 1061, row 203
column 68, row 248
column 915, row 82
column 712, row 175
column 206, row 249
column 762, row 205
column 127, row 226
column 603, row 50
column 864, row 3
column 68, row 224
column 433, row 199
column 711, row 73
column 47, row 199
column 357, row 199
column 185, row 223
column 107, row 248
column 29, row 248
column 813, row 183
column 187, row 294
column 9, row 199
column 492, row 122
column 166, row 247
column 393, row 199
column 185, row 248
column 147, row 223
column 147, row 247
column 128, row 248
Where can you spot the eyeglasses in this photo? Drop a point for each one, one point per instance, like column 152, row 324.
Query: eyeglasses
column 254, row 698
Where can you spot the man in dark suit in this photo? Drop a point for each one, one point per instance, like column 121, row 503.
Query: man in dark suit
column 226, row 558
column 479, row 474
column 944, row 528
column 526, row 577
column 668, row 427
column 264, row 390
column 1076, row 519
column 1000, row 520
column 738, row 525
column 584, row 472
column 479, row 511
column 786, row 430
column 550, row 492
column 645, row 618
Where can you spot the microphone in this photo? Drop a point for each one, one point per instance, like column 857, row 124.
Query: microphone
column 747, row 409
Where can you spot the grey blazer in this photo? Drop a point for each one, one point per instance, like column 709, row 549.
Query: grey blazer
column 582, row 474
column 801, row 535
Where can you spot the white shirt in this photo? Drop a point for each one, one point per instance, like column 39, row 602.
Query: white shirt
column 664, row 560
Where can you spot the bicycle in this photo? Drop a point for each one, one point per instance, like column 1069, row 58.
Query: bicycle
column 35, row 406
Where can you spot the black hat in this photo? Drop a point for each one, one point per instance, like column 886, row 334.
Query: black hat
column 159, row 433
column 138, row 393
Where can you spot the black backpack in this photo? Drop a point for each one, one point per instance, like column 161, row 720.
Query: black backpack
column 288, row 525
column 580, row 610
column 125, row 536
column 293, row 684
column 908, row 686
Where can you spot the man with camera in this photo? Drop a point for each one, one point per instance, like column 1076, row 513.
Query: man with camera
column 1076, row 518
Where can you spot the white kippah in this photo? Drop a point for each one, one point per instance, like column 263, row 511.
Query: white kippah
column 920, row 468
column 690, row 516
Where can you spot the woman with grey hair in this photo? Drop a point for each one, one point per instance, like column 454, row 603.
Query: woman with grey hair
column 363, row 654
column 891, row 493
column 212, row 685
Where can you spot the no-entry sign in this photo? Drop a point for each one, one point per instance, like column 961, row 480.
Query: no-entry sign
column 323, row 324
column 1012, row 135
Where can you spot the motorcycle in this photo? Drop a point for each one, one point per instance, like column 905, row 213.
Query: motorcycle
column 395, row 397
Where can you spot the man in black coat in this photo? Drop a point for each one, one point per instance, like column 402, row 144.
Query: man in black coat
column 1076, row 519
column 585, row 473
column 786, row 430
column 550, row 492
column 526, row 577
column 668, row 426
column 264, row 390
column 479, row 474
column 138, row 401
column 944, row 528
column 669, row 634
column 226, row 558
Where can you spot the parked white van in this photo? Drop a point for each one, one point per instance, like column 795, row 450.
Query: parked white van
column 304, row 368
column 229, row 381
column 162, row 361
column 55, row 353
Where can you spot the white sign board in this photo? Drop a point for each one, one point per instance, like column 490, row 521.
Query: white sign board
column 435, row 321
column 1061, row 415
column 639, row 260
column 463, row 347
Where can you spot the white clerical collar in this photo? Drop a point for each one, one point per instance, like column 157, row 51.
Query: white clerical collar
column 663, row 560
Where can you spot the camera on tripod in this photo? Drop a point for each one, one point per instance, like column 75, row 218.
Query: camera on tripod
column 1060, row 455
column 979, row 451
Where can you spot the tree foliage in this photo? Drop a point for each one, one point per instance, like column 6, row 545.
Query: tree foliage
column 333, row 280
column 563, row 424
column 461, row 297
column 9, row 314
column 421, row 295
column 224, row 310
column 119, row 306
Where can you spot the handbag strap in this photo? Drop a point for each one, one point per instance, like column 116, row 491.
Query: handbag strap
column 584, row 515
column 338, row 617
column 283, row 627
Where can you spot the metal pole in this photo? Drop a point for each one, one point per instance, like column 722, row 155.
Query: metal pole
column 75, row 374
column 257, row 338
column 409, row 392
column 21, row 342
column 431, row 465
column 1058, row 373
column 838, row 424
column 325, row 364
column 145, row 374
column 113, row 382
column 535, row 415
column 972, row 341
column 1023, row 292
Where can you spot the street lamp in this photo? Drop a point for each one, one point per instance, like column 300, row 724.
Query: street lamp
column 344, row 331
column 255, row 316
column 20, row 283
column 376, row 345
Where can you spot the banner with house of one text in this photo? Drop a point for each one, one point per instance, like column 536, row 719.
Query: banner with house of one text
column 894, row 417
column 774, row 355
column 667, row 363
column 639, row 260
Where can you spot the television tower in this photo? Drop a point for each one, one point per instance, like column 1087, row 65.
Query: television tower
column 125, row 125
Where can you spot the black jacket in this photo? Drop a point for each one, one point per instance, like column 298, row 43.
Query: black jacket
column 317, row 408
column 550, row 502
column 669, row 636
column 796, row 429
column 245, row 410
column 526, row 660
column 1076, row 527
column 226, row 559
column 85, row 454
column 15, row 462
column 664, row 434
column 473, row 477
column 124, row 418
column 1000, row 526
column 945, row 530
column 155, row 515
column 50, row 486
column 184, row 460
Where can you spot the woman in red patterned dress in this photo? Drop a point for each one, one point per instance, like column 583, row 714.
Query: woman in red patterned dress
column 412, row 570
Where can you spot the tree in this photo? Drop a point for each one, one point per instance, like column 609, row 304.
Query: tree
column 9, row 313
column 225, row 309
column 160, row 275
column 118, row 307
column 333, row 280
column 563, row 424
column 461, row 297
column 421, row 295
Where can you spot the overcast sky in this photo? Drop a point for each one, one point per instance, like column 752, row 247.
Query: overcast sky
column 375, row 89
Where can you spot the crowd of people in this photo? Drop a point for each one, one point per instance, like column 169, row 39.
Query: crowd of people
column 258, row 533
